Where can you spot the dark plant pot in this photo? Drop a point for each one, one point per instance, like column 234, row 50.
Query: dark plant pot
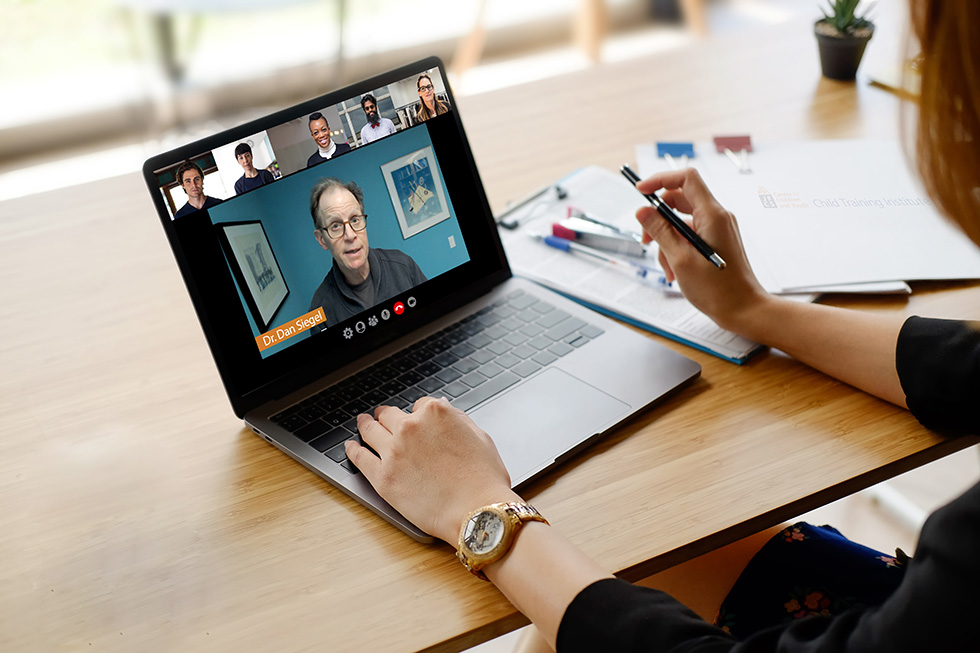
column 840, row 56
column 665, row 10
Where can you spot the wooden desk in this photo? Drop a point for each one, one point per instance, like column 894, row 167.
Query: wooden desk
column 138, row 514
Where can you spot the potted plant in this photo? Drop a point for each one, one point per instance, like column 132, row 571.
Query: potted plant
column 842, row 36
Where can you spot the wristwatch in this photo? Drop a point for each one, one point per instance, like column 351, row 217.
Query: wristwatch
column 489, row 532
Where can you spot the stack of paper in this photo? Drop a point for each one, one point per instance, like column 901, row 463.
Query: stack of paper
column 825, row 216
column 833, row 216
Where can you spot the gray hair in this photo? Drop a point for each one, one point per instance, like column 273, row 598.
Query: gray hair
column 327, row 184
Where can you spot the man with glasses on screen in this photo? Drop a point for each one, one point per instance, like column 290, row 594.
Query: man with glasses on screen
column 360, row 277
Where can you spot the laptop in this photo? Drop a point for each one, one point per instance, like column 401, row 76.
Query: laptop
column 341, row 254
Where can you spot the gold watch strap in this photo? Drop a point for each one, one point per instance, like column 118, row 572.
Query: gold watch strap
column 520, row 512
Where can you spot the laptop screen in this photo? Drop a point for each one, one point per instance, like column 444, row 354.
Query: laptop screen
column 310, row 237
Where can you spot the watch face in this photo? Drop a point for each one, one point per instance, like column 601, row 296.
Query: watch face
column 483, row 532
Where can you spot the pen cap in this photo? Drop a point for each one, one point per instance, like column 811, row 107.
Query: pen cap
column 558, row 243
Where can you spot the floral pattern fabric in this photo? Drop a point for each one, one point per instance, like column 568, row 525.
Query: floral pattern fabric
column 804, row 572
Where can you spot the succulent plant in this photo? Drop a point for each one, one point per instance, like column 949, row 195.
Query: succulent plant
column 843, row 16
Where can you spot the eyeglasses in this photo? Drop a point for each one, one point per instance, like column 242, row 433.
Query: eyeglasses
column 336, row 229
column 425, row 87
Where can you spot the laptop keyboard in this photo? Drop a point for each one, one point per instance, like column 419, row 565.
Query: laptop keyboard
column 467, row 362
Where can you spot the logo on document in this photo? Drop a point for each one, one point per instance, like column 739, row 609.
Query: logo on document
column 768, row 202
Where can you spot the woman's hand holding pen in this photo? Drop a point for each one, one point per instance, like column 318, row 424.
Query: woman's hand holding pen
column 853, row 346
column 730, row 296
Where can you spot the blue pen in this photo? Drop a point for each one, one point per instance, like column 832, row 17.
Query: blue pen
column 643, row 271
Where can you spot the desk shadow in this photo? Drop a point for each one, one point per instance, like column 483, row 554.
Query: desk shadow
column 886, row 302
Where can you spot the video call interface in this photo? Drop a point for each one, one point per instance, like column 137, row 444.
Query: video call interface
column 327, row 222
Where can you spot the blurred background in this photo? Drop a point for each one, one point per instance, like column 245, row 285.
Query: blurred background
column 93, row 87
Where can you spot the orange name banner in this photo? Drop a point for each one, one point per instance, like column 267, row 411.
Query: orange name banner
column 290, row 329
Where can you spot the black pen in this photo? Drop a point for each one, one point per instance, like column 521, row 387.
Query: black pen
column 676, row 222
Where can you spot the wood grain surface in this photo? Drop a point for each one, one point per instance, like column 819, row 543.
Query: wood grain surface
column 139, row 514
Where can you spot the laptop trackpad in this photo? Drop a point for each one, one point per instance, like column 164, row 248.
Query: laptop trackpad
column 539, row 420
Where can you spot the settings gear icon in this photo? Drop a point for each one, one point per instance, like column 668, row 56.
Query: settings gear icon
column 373, row 321
column 348, row 333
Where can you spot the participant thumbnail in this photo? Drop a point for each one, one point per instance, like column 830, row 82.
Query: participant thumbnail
column 191, row 185
column 248, row 163
column 309, row 139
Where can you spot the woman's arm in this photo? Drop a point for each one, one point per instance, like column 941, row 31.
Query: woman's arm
column 436, row 466
column 855, row 347
column 542, row 574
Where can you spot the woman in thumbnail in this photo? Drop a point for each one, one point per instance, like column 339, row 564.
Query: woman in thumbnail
column 441, row 471
column 429, row 104
column 252, row 177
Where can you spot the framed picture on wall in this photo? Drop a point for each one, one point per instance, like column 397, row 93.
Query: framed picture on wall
column 256, row 269
column 416, row 191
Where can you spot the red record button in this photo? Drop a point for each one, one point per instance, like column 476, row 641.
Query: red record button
column 399, row 308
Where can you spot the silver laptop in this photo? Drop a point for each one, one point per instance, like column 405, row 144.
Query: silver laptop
column 341, row 254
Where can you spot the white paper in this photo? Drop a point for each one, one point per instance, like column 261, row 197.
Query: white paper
column 832, row 213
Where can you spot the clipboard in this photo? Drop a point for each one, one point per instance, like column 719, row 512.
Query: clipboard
column 609, row 290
